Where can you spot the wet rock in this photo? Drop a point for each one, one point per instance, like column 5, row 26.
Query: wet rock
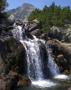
column 24, row 82
column 29, row 35
column 7, row 82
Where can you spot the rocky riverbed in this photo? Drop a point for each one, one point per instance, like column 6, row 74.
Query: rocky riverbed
column 13, row 65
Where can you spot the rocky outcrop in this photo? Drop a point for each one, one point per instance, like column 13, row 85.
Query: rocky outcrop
column 23, row 82
column 60, row 33
column 13, row 64
column 12, row 55
column 65, row 47
column 56, row 33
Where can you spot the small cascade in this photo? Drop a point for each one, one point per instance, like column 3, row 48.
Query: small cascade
column 17, row 33
column 51, row 64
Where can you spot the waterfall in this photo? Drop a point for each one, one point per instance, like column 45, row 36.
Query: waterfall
column 33, row 59
column 51, row 64
column 35, row 56
column 17, row 33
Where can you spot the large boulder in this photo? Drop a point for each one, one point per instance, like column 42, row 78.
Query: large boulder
column 62, row 63
column 64, row 47
column 55, row 33
column 60, row 33
column 12, row 55
column 24, row 82
column 13, row 64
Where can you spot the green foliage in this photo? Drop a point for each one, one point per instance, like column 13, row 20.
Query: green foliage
column 3, row 16
column 52, row 15
column 3, row 5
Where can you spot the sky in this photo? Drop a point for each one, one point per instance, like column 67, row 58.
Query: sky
column 37, row 3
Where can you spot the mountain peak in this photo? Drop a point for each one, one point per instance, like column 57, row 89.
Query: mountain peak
column 27, row 4
column 23, row 11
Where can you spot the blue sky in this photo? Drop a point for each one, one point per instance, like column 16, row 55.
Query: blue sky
column 37, row 3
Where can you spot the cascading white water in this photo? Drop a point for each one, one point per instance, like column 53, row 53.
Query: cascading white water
column 17, row 32
column 35, row 49
column 34, row 58
column 33, row 54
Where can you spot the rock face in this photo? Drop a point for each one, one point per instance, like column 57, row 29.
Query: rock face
column 60, row 33
column 13, row 64
column 12, row 54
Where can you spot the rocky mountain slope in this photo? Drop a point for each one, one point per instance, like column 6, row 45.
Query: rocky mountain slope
column 22, row 12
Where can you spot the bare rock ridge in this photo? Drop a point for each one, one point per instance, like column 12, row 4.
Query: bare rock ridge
column 22, row 12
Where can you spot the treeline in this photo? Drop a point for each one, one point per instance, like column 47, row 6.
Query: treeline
column 3, row 14
column 52, row 15
column 5, row 23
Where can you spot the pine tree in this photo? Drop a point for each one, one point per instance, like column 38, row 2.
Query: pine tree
column 3, row 16
column 3, row 5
